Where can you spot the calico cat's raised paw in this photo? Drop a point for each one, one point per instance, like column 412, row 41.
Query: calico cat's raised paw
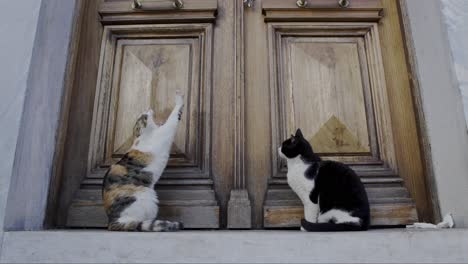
column 179, row 100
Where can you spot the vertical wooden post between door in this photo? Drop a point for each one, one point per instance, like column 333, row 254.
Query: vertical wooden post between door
column 239, row 209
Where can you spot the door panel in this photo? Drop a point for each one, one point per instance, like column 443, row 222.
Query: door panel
column 333, row 88
column 333, row 111
column 326, row 75
column 146, row 69
column 140, row 67
column 150, row 74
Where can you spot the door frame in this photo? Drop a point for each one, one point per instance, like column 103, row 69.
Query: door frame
column 56, row 179
column 421, row 123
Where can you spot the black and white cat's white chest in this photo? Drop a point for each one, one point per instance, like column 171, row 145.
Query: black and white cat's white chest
column 301, row 177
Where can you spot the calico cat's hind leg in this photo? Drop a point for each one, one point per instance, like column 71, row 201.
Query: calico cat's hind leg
column 338, row 217
column 148, row 225
column 161, row 226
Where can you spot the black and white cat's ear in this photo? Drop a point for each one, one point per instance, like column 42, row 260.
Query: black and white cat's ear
column 299, row 133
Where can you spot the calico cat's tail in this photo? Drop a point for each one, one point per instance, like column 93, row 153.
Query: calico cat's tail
column 146, row 226
column 330, row 227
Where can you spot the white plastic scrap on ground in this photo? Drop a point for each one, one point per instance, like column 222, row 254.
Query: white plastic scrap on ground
column 447, row 222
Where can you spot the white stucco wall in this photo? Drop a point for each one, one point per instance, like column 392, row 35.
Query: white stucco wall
column 442, row 105
column 18, row 23
column 456, row 19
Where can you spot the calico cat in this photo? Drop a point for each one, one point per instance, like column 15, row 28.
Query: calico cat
column 334, row 197
column 128, row 191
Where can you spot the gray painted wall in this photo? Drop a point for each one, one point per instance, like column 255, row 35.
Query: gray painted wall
column 442, row 105
column 456, row 18
column 35, row 149
column 18, row 22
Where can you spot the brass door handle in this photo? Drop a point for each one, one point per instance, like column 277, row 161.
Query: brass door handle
column 137, row 4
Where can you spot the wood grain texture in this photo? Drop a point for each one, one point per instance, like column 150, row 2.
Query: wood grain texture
column 321, row 11
column 348, row 98
column 322, row 4
column 156, row 5
column 223, row 120
column 382, row 166
column 56, row 177
column 336, row 137
column 257, row 108
column 425, row 147
column 239, row 95
column 402, row 109
column 355, row 60
column 80, row 109
column 381, row 215
column 326, row 74
column 141, row 68
column 158, row 11
column 239, row 209
column 391, row 203
column 195, row 208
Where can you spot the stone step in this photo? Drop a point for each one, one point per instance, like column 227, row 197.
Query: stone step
column 375, row 246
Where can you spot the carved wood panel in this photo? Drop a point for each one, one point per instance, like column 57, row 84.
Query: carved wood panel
column 325, row 95
column 327, row 76
column 142, row 67
column 328, row 80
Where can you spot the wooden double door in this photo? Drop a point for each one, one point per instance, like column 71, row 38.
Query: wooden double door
column 253, row 72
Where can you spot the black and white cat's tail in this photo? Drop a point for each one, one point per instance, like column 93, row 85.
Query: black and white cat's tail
column 146, row 226
column 330, row 227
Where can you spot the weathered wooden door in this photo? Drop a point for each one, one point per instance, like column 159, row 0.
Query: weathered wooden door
column 337, row 70
column 253, row 71
column 132, row 56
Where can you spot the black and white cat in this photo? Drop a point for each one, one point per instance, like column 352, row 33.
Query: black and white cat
column 334, row 197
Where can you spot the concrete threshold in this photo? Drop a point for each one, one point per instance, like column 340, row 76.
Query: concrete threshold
column 100, row 246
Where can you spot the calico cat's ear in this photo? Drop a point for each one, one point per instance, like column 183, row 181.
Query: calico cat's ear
column 299, row 133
